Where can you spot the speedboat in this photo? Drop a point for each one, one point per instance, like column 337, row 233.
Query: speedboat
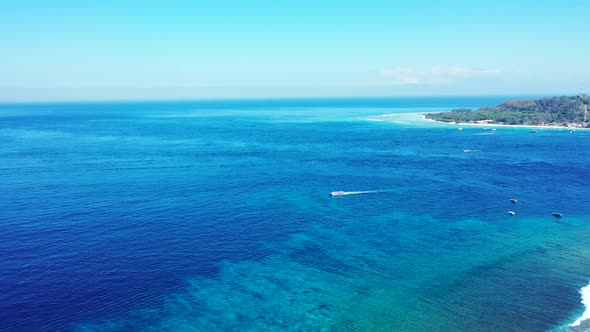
column 514, row 200
column 557, row 215
column 512, row 213
column 337, row 193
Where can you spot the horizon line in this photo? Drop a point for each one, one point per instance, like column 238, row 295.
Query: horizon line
column 213, row 99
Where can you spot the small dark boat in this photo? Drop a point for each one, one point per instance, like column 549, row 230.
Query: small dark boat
column 532, row 131
column 557, row 215
column 514, row 200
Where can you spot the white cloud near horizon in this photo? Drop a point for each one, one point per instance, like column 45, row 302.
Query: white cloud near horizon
column 434, row 75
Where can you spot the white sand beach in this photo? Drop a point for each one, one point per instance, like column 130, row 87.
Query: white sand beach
column 423, row 116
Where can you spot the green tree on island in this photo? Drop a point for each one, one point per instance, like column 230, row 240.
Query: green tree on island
column 559, row 111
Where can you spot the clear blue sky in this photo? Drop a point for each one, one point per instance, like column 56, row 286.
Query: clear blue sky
column 72, row 50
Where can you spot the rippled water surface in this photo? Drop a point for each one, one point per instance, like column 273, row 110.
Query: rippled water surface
column 217, row 216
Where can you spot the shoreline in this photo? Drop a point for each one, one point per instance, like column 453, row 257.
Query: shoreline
column 423, row 116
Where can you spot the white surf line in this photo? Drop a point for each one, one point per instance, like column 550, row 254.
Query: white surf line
column 585, row 294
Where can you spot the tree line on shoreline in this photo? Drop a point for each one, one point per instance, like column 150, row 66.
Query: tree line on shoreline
column 566, row 111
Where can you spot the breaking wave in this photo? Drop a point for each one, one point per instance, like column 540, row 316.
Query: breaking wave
column 585, row 294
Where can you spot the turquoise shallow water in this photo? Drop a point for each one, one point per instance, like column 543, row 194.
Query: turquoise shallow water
column 216, row 216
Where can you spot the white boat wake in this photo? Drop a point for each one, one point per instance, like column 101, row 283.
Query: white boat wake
column 345, row 193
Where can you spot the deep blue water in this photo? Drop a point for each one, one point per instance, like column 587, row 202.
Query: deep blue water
column 215, row 215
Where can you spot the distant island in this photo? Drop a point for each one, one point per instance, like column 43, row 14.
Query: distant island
column 565, row 111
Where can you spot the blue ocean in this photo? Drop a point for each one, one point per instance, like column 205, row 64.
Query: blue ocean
column 216, row 216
